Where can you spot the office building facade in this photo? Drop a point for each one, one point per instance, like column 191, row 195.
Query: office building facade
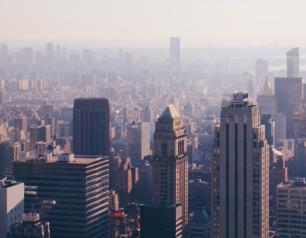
column 240, row 192
column 78, row 185
column 91, row 126
column 138, row 139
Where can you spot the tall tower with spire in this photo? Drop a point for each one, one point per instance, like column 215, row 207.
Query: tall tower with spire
column 170, row 161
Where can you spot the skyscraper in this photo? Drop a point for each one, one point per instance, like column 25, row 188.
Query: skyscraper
column 170, row 161
column 4, row 54
column 11, row 205
column 91, row 125
column 161, row 221
column 78, row 185
column 242, row 170
column 138, row 138
column 291, row 209
column 280, row 126
column 289, row 95
column 293, row 63
column 49, row 54
column 266, row 100
column 261, row 69
column 175, row 53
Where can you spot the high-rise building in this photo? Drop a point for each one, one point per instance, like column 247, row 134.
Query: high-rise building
column 293, row 63
column 280, row 126
column 91, row 126
column 242, row 169
column 261, row 69
column 138, row 139
column 289, row 95
column 299, row 163
column 11, row 205
column 170, row 161
column 78, row 185
column 278, row 174
column 267, row 120
column 175, row 53
column 39, row 133
column 4, row 54
column 299, row 125
column 199, row 194
column 251, row 88
column 291, row 199
column 49, row 54
column 266, row 100
column 161, row 221
column 215, row 183
column 2, row 96
column 21, row 122
column 9, row 152
column 147, row 114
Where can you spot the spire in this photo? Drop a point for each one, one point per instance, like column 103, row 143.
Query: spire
column 266, row 89
column 170, row 113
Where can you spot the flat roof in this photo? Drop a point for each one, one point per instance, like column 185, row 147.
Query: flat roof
column 8, row 183
column 57, row 159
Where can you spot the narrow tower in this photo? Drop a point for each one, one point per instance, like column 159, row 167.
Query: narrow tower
column 170, row 161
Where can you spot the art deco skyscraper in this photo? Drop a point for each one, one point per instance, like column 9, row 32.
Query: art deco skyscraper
column 293, row 63
column 91, row 126
column 240, row 182
column 170, row 161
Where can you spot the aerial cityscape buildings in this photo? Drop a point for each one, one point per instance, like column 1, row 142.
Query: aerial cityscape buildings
column 141, row 143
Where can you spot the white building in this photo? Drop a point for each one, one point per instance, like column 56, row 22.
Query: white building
column 11, row 204
column 138, row 138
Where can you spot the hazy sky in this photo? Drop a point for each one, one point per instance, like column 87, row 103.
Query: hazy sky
column 150, row 22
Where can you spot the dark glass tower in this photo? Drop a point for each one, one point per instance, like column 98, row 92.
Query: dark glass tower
column 91, row 123
column 161, row 221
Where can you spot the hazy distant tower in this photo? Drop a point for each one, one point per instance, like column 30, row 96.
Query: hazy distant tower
column 293, row 62
column 170, row 161
column 289, row 95
column 261, row 69
column 91, row 126
column 175, row 53
column 242, row 169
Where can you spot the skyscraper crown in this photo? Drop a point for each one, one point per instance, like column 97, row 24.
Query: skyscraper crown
column 170, row 113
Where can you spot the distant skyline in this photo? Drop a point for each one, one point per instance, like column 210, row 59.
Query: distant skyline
column 147, row 23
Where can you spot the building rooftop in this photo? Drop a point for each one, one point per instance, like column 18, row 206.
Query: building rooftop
column 297, row 183
column 5, row 183
column 65, row 158
column 170, row 113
